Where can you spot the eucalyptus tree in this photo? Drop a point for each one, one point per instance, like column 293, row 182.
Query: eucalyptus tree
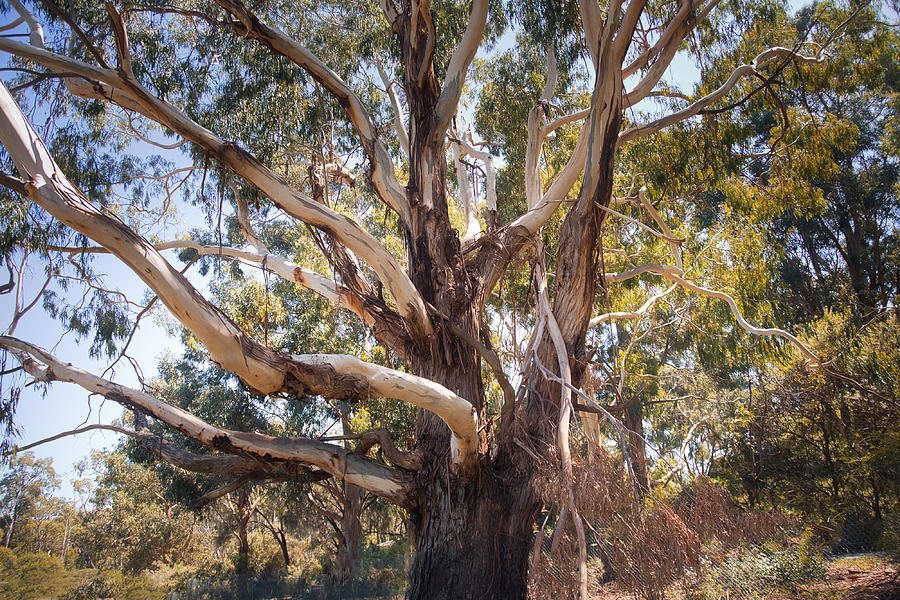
column 27, row 482
column 420, row 272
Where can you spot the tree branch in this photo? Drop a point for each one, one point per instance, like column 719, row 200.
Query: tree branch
column 383, row 179
column 50, row 189
column 611, row 316
column 674, row 274
column 665, row 48
column 339, row 462
column 456, row 412
column 763, row 59
column 452, row 87
column 409, row 302
column 399, row 128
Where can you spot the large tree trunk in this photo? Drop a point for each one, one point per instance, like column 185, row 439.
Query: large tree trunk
column 473, row 527
column 472, row 541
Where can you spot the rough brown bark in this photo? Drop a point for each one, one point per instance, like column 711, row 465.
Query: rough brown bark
column 634, row 422
column 472, row 539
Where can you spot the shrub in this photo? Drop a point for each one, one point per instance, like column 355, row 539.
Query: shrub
column 113, row 584
column 751, row 574
column 890, row 535
column 28, row 575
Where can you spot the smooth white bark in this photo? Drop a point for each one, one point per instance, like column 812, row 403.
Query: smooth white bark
column 455, row 77
column 383, row 178
column 455, row 411
column 376, row 478
column 399, row 127
column 51, row 189
column 763, row 59
column 637, row 314
column 466, row 197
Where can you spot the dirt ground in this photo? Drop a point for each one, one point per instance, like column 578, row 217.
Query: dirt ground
column 862, row 577
column 859, row 577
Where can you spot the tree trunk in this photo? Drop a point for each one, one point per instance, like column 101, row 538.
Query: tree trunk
column 472, row 528
column 12, row 523
column 351, row 535
column 242, row 521
column 351, row 507
column 282, row 542
column 473, row 541
column 634, row 422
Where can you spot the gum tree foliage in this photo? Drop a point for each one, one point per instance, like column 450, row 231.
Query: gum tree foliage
column 338, row 140
column 775, row 193
column 27, row 482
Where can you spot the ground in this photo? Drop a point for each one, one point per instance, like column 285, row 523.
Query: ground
column 856, row 577
column 852, row 577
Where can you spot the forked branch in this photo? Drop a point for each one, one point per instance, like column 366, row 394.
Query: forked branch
column 762, row 60
column 454, row 80
column 382, row 176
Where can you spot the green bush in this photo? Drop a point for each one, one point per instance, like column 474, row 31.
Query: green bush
column 113, row 584
column 890, row 535
column 28, row 575
column 797, row 564
column 751, row 574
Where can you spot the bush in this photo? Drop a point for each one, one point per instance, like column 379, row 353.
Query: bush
column 26, row 576
column 890, row 535
column 750, row 575
column 113, row 584
column 798, row 564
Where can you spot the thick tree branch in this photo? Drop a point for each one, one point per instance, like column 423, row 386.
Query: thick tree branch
column 455, row 78
column 339, row 462
column 536, row 138
column 120, row 34
column 490, row 173
column 664, row 50
column 466, row 197
column 51, row 189
column 626, row 28
column 35, row 31
column 456, row 412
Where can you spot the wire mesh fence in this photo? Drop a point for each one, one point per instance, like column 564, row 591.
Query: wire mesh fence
column 699, row 546
column 695, row 545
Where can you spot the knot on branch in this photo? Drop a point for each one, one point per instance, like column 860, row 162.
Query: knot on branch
column 323, row 380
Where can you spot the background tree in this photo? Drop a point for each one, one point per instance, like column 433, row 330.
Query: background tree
column 25, row 485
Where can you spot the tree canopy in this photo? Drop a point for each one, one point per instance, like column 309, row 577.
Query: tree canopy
column 444, row 240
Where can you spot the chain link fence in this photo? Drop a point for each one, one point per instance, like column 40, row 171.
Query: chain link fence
column 694, row 546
